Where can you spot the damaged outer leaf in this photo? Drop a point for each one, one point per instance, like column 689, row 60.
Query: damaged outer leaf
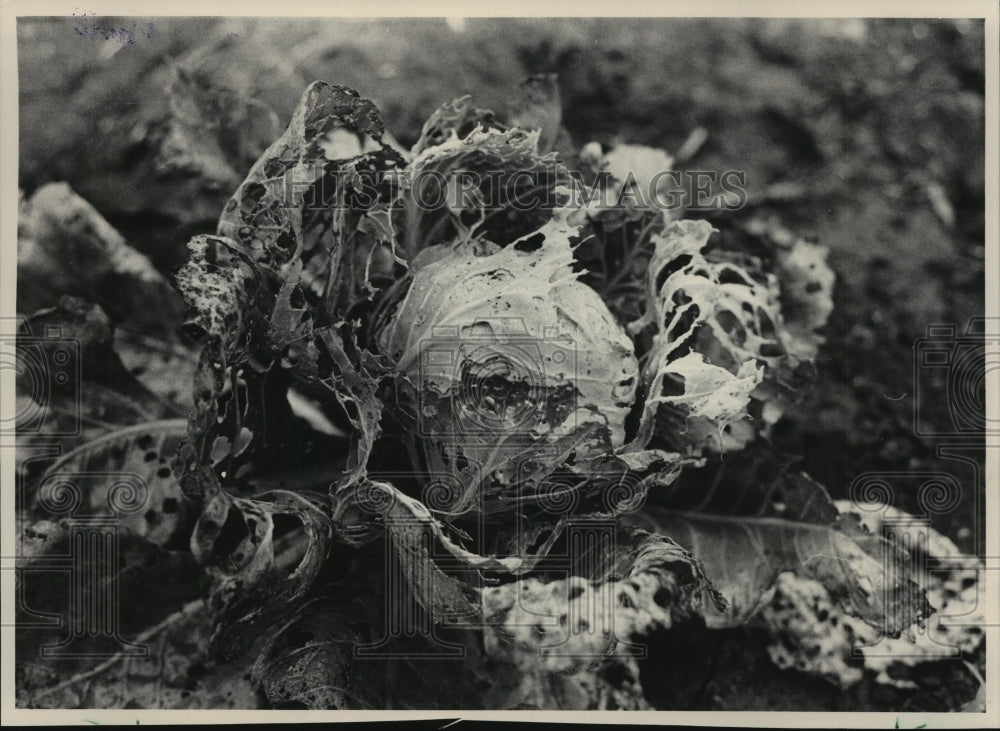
column 806, row 286
column 299, row 203
column 454, row 119
column 508, row 187
column 252, row 585
column 269, row 288
column 355, row 391
column 221, row 286
column 727, row 310
column 687, row 297
column 756, row 518
column 564, row 635
column 711, row 392
column 812, row 634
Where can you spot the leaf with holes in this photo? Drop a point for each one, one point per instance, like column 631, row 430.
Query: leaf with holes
column 262, row 556
column 752, row 516
column 125, row 474
column 568, row 637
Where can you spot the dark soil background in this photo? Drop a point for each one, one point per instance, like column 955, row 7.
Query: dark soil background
column 867, row 136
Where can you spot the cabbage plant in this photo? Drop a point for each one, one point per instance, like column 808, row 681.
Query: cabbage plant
column 468, row 424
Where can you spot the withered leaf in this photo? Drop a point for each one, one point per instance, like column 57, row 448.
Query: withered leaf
column 253, row 582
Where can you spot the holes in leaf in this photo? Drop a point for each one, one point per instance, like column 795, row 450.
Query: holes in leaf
column 324, row 361
column 532, row 243
column 283, row 247
column 778, row 501
column 273, row 168
column 732, row 276
column 233, row 532
column 732, row 327
column 788, row 642
column 293, row 547
column 351, row 409
column 292, row 356
column 252, row 195
column 285, row 524
column 771, row 350
column 679, row 298
column 170, row 505
column 675, row 265
column 767, row 329
column 684, row 323
column 672, row 385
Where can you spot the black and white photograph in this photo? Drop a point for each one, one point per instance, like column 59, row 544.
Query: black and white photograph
column 500, row 364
